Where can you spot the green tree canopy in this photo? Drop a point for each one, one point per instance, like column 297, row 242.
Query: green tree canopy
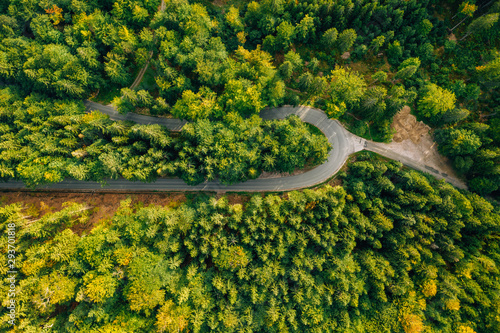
column 346, row 40
column 201, row 105
column 435, row 101
column 457, row 142
column 346, row 90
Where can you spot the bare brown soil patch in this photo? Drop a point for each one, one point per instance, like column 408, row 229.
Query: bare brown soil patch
column 240, row 199
column 359, row 67
column 219, row 3
column 439, row 51
column 413, row 140
column 386, row 66
column 102, row 205
column 407, row 127
column 337, row 181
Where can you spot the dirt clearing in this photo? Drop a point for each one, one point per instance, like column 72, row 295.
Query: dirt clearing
column 412, row 139
column 408, row 128
column 103, row 205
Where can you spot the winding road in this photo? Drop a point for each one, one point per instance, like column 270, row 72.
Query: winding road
column 343, row 144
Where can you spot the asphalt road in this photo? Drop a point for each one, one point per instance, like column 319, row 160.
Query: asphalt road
column 343, row 144
column 169, row 123
column 382, row 149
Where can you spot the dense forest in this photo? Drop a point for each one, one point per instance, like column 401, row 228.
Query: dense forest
column 48, row 140
column 393, row 250
column 223, row 62
column 53, row 55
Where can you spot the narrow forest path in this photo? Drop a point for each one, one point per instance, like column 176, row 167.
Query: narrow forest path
column 143, row 70
column 140, row 75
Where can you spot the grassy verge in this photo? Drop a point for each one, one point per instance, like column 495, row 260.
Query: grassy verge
column 148, row 81
column 313, row 129
column 105, row 96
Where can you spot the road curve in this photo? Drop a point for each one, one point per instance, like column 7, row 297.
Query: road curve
column 343, row 144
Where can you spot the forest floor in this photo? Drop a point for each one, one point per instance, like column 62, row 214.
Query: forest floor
column 102, row 205
column 413, row 140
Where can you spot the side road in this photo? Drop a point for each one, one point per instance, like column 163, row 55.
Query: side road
column 382, row 149
column 343, row 144
column 170, row 123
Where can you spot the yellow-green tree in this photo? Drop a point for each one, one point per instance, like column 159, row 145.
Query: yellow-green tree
column 435, row 101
